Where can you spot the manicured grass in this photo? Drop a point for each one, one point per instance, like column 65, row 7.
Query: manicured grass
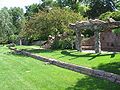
column 18, row 72
column 107, row 61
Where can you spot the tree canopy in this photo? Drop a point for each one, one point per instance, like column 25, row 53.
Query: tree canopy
column 11, row 23
column 114, row 15
column 43, row 24
column 6, row 26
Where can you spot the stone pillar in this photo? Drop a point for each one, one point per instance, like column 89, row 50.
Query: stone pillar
column 97, row 41
column 78, row 42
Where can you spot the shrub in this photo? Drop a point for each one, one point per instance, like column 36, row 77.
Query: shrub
column 65, row 43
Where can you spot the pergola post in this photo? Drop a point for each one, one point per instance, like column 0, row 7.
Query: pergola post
column 78, row 42
column 97, row 41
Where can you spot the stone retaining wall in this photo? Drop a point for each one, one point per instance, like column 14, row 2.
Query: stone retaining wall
column 84, row 70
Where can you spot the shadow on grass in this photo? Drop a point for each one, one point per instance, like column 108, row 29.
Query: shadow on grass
column 110, row 67
column 31, row 51
column 39, row 50
column 16, row 54
column 90, row 83
column 68, row 53
column 93, row 56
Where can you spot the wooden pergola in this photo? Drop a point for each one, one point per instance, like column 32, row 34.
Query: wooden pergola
column 95, row 25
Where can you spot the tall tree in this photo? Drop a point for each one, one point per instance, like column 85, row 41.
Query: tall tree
column 72, row 4
column 97, row 7
column 31, row 9
column 43, row 24
column 47, row 3
column 118, row 5
column 6, row 26
column 18, row 19
column 35, row 8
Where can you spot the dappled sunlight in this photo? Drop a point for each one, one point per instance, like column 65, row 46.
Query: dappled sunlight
column 91, row 55
column 75, row 57
column 113, row 67
column 89, row 83
column 39, row 50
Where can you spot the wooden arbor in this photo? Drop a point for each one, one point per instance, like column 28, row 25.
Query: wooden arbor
column 97, row 26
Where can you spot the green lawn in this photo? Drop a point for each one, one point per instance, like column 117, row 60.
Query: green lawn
column 18, row 72
column 108, row 61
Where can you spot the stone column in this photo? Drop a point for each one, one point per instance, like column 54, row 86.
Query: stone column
column 78, row 40
column 97, row 41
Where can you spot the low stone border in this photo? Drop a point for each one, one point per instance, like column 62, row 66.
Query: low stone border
column 84, row 70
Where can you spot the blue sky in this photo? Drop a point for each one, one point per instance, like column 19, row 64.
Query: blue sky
column 17, row 3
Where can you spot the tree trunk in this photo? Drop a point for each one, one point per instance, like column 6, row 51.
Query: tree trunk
column 78, row 40
column 97, row 42
column 20, row 41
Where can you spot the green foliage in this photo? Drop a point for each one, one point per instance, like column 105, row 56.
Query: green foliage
column 105, row 16
column 65, row 43
column 91, row 9
column 31, row 9
column 83, row 9
column 116, row 31
column 13, row 38
column 47, row 3
column 98, row 7
column 118, row 5
column 54, row 22
column 74, row 5
column 115, row 15
column 6, row 26
column 88, row 33
column 18, row 19
column 35, row 8
column 12, row 21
